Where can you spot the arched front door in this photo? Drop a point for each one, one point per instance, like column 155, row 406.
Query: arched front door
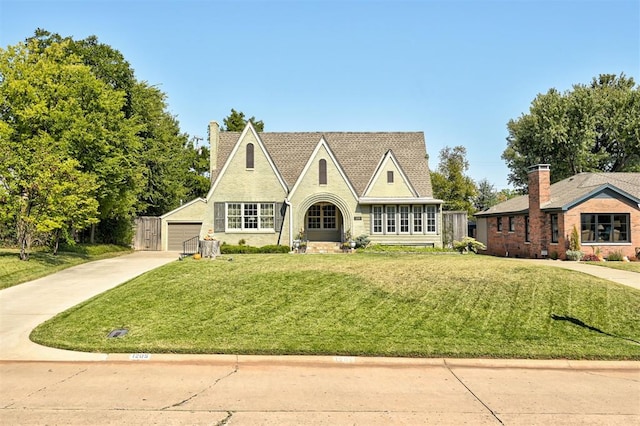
column 323, row 222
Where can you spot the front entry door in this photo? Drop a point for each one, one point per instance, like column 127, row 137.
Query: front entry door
column 322, row 222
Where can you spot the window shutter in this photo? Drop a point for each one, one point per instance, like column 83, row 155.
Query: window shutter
column 218, row 217
column 281, row 209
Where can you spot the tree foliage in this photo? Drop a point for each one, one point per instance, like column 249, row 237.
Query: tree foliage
column 486, row 196
column 591, row 128
column 235, row 122
column 450, row 182
column 77, row 129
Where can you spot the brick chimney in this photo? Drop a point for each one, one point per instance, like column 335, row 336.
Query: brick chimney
column 539, row 195
column 214, row 140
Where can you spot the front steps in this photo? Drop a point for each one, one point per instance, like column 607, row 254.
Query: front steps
column 323, row 247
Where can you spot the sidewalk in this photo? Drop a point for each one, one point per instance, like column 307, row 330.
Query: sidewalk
column 631, row 279
column 23, row 307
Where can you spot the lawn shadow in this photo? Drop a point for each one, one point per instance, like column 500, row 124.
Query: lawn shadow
column 580, row 323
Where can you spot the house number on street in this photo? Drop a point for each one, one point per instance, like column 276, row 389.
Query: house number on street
column 140, row 357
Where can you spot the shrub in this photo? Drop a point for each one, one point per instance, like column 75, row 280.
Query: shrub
column 362, row 241
column 574, row 240
column 244, row 249
column 615, row 256
column 468, row 244
column 553, row 255
column 574, row 255
column 591, row 258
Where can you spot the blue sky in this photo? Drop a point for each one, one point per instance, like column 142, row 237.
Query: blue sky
column 456, row 70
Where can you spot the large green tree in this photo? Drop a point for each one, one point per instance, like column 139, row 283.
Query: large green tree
column 590, row 128
column 235, row 122
column 450, row 182
column 46, row 123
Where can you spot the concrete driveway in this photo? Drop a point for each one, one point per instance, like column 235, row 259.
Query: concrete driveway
column 47, row 386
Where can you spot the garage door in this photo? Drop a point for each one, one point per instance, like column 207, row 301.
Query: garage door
column 180, row 232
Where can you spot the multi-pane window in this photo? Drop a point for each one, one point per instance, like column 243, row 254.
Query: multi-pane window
column 431, row 219
column 250, row 216
column 554, row 228
column 314, row 215
column 377, row 220
column 321, row 216
column 417, row 219
column 604, row 228
column 329, row 216
column 512, row 224
column 391, row 219
column 499, row 224
column 404, row 219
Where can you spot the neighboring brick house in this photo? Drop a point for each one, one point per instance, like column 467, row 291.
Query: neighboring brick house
column 266, row 187
column 604, row 207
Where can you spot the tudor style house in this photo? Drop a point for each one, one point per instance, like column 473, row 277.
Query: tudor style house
column 273, row 188
column 604, row 208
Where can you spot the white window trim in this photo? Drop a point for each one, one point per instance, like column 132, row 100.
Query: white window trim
column 242, row 229
column 424, row 218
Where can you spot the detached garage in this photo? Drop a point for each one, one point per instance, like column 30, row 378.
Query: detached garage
column 179, row 232
column 181, row 224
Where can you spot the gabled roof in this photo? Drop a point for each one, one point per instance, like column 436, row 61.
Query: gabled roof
column 388, row 156
column 571, row 191
column 358, row 153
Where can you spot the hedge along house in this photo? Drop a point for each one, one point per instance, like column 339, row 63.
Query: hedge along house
column 270, row 187
column 604, row 208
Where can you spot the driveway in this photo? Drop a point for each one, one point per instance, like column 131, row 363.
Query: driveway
column 48, row 386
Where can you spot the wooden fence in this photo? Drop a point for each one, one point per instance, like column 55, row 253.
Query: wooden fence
column 147, row 235
column 454, row 227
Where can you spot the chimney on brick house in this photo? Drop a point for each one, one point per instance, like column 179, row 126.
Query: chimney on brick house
column 539, row 195
column 214, row 140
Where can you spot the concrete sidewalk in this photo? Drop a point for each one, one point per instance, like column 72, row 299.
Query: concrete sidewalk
column 628, row 278
column 23, row 307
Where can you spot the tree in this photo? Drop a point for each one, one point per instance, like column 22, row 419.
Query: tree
column 591, row 128
column 450, row 182
column 486, row 195
column 43, row 188
column 236, row 122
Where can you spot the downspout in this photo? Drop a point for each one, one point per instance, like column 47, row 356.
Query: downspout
column 288, row 203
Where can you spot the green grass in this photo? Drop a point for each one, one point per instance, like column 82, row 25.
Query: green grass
column 362, row 304
column 14, row 271
column 625, row 266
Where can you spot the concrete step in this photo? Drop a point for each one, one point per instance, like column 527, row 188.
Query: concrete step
column 323, row 247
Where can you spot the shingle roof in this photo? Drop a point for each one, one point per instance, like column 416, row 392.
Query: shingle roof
column 571, row 190
column 358, row 153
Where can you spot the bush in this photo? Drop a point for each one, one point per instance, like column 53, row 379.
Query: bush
column 574, row 255
column 590, row 258
column 615, row 256
column 468, row 244
column 243, row 249
column 362, row 241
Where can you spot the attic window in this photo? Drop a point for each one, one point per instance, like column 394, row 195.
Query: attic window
column 390, row 176
column 322, row 172
column 249, row 156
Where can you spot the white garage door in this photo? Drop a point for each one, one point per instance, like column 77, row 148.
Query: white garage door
column 180, row 232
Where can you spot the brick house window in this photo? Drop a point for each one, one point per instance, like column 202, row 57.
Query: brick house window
column 527, row 238
column 499, row 224
column 249, row 156
column 604, row 228
column 554, row 228
column 322, row 172
column 512, row 224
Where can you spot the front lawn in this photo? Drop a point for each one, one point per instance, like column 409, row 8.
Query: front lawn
column 361, row 304
column 41, row 262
